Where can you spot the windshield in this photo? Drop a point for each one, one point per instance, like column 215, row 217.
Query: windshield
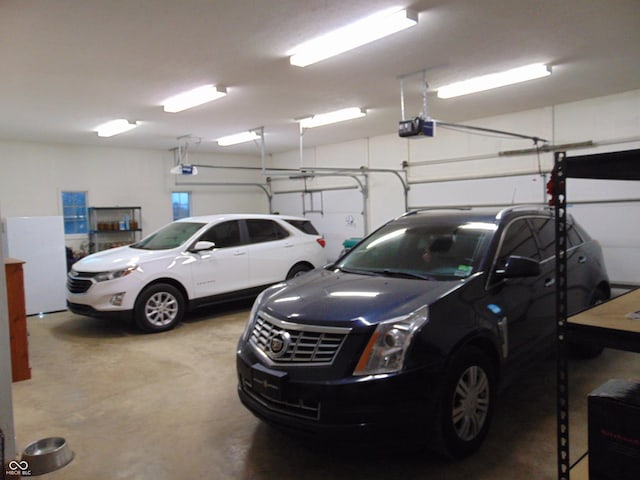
column 171, row 236
column 431, row 251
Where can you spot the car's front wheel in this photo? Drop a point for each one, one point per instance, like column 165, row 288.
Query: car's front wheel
column 159, row 307
column 467, row 402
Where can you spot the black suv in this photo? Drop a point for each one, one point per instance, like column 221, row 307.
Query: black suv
column 416, row 326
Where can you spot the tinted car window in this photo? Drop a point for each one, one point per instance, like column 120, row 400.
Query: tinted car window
column 265, row 231
column 225, row 234
column 443, row 251
column 546, row 231
column 573, row 235
column 304, row 226
column 517, row 240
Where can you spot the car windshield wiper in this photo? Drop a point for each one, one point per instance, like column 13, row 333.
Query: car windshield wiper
column 404, row 274
column 356, row 271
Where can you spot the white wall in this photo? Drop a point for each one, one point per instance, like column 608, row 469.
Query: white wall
column 34, row 175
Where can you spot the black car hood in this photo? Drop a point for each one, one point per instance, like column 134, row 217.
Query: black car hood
column 346, row 299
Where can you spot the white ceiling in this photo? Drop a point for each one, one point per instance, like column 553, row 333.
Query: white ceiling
column 67, row 66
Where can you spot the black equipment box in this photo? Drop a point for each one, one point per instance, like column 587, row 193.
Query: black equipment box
column 614, row 431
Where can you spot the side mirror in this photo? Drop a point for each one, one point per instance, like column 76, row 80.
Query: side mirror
column 202, row 246
column 518, row 267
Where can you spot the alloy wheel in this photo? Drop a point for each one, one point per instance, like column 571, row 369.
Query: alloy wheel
column 161, row 309
column 470, row 403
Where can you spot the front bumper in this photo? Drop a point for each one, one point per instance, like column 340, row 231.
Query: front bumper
column 97, row 298
column 89, row 311
column 349, row 407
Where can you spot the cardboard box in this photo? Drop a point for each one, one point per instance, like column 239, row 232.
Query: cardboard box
column 614, row 431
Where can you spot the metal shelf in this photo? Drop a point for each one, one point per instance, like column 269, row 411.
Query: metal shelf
column 113, row 226
column 603, row 324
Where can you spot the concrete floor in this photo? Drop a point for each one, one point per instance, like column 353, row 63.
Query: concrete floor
column 164, row 406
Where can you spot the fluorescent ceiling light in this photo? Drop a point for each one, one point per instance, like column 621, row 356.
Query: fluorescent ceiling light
column 332, row 117
column 237, row 138
column 193, row 98
column 114, row 127
column 354, row 35
column 495, row 80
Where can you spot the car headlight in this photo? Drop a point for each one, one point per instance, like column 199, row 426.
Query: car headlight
column 389, row 343
column 113, row 274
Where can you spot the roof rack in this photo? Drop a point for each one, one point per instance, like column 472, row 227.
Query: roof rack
column 414, row 211
column 527, row 206
column 503, row 211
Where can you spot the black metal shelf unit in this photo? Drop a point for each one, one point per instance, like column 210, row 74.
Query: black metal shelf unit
column 624, row 165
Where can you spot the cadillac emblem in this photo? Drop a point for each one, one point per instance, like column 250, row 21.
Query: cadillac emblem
column 278, row 344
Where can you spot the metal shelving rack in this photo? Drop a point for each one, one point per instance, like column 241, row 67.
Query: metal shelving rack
column 113, row 226
column 623, row 165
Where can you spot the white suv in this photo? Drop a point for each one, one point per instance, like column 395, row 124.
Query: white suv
column 193, row 262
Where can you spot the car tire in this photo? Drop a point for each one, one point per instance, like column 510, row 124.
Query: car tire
column 466, row 406
column 593, row 350
column 298, row 270
column 159, row 307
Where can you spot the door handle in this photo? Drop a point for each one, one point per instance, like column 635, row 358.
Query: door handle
column 237, row 253
column 549, row 282
column 582, row 259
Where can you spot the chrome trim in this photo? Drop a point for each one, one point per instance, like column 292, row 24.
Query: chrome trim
column 301, row 326
column 313, row 350
column 524, row 206
column 504, row 336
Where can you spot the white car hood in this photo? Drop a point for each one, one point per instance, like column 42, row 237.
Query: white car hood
column 116, row 258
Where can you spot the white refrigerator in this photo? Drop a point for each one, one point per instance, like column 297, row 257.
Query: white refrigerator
column 39, row 241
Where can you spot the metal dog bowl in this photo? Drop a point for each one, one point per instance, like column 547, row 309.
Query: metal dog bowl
column 47, row 455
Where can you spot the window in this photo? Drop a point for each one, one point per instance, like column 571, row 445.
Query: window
column 444, row 250
column 304, row 225
column 519, row 241
column 74, row 212
column 226, row 234
column 181, row 202
column 170, row 236
column 546, row 231
column 573, row 235
column 265, row 231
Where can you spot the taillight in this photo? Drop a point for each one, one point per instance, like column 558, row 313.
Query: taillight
column 321, row 241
